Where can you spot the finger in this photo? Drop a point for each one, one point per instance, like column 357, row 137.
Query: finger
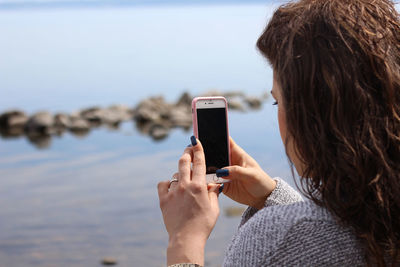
column 235, row 173
column 235, row 148
column 225, row 188
column 213, row 188
column 189, row 150
column 213, row 192
column 162, row 188
column 199, row 162
column 184, row 166
column 174, row 184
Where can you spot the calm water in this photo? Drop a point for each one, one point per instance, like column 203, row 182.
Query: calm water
column 83, row 199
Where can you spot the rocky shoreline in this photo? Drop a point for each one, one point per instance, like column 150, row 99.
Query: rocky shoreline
column 153, row 117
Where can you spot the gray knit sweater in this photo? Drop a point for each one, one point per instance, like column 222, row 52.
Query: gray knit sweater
column 291, row 232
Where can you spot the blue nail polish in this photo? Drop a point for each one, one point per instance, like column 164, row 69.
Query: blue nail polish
column 222, row 172
column 193, row 140
column 190, row 145
column 221, row 187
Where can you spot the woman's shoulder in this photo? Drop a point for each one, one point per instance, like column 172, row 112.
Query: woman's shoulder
column 296, row 212
column 301, row 233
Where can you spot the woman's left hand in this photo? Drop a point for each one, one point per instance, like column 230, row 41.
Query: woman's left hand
column 189, row 207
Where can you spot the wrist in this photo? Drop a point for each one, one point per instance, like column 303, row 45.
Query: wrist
column 261, row 203
column 182, row 250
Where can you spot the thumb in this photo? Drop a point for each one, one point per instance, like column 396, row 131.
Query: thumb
column 235, row 173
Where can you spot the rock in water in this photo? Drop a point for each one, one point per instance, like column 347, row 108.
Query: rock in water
column 184, row 100
column 153, row 117
column 78, row 125
column 253, row 102
column 235, row 105
column 13, row 118
column 158, row 131
column 12, row 123
column 40, row 123
column 40, row 140
column 109, row 261
column 125, row 113
column 153, row 109
column 113, row 115
column 62, row 121
column 181, row 117
column 93, row 115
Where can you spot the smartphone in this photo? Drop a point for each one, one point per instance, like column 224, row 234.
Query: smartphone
column 210, row 126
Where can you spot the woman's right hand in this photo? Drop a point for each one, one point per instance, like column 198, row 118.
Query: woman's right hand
column 249, row 184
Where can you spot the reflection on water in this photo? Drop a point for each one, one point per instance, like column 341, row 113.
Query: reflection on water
column 152, row 116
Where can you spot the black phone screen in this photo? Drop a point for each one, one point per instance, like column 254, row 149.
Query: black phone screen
column 211, row 123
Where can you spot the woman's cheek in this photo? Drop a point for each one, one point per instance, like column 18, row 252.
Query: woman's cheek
column 282, row 124
column 289, row 145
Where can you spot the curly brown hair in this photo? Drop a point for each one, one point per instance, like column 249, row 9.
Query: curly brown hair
column 338, row 65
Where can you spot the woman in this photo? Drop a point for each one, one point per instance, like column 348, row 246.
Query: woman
column 337, row 86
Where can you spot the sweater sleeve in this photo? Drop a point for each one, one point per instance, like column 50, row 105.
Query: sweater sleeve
column 299, row 234
column 283, row 194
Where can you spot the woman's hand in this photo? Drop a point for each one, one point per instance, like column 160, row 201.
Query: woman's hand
column 189, row 207
column 249, row 184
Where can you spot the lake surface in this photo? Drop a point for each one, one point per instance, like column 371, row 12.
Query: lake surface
column 83, row 199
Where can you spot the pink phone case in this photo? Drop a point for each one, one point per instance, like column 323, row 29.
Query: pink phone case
column 196, row 133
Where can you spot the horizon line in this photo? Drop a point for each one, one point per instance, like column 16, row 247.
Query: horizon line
column 121, row 3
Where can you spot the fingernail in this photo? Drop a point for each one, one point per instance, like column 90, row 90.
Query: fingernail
column 189, row 145
column 221, row 187
column 222, row 172
column 193, row 140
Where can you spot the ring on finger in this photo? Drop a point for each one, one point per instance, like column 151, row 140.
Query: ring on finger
column 173, row 180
